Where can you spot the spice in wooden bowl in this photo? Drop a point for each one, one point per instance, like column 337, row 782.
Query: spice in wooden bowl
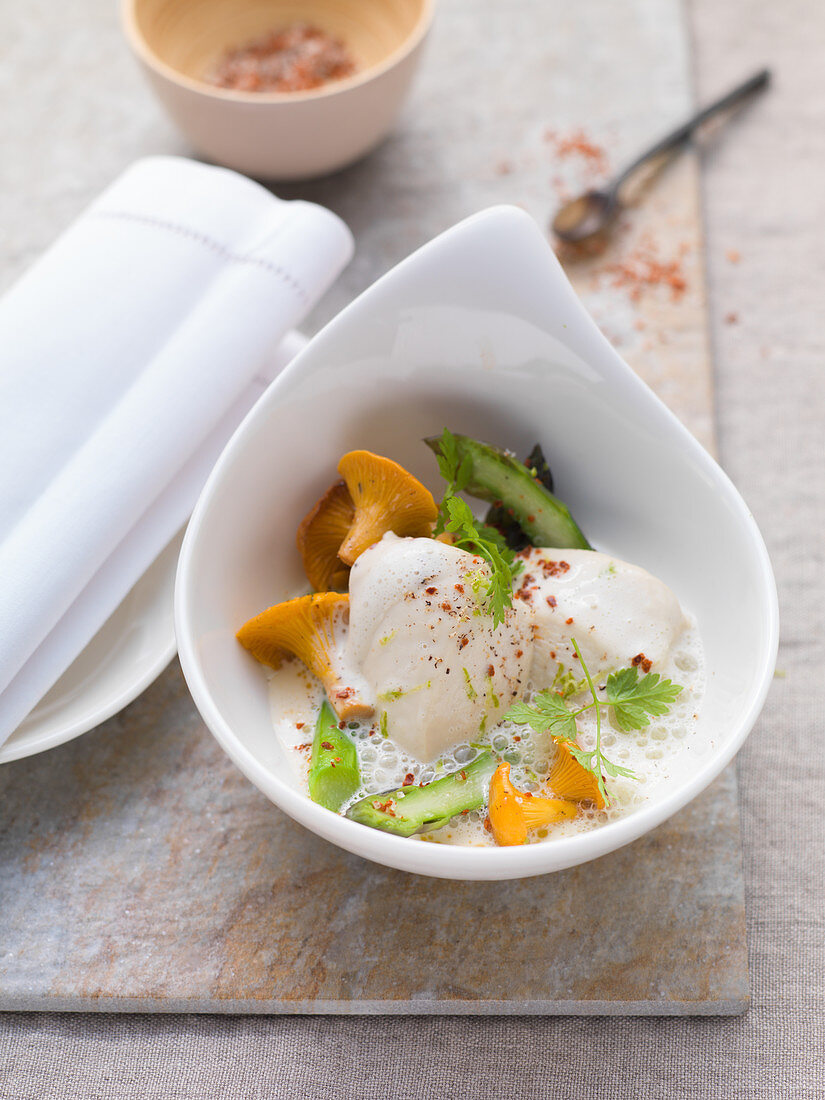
column 296, row 58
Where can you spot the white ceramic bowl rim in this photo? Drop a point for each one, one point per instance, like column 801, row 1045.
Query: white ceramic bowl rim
column 150, row 58
column 444, row 860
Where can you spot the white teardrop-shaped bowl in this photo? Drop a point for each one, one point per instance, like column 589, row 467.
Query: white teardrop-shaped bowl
column 480, row 331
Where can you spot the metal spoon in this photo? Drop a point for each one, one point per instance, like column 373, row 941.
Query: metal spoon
column 591, row 212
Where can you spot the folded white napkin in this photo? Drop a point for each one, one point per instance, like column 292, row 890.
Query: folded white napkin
column 128, row 355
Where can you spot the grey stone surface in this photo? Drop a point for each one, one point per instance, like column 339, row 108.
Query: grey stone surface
column 149, row 874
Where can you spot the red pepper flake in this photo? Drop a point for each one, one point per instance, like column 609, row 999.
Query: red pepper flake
column 643, row 268
column 569, row 621
column 519, row 653
column 551, row 601
column 517, row 737
column 552, row 654
column 431, row 591
column 326, row 745
column 462, row 641
column 409, row 779
column 384, row 807
column 491, row 670
column 299, row 725
column 293, row 59
column 458, row 587
column 640, row 660
column 307, row 745
column 531, row 519
column 527, row 588
column 578, row 144
column 554, row 568
column 446, row 606
column 487, row 825
column 345, row 693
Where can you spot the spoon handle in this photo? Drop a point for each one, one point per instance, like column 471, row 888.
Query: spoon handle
column 682, row 133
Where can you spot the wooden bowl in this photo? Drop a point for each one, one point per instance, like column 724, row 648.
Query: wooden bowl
column 279, row 135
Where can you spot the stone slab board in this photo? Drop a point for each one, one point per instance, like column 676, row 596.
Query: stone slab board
column 139, row 871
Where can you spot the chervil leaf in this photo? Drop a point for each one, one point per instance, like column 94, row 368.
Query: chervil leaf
column 456, row 517
column 634, row 700
column 455, row 471
column 585, row 758
column 615, row 770
column 548, row 713
column 447, row 456
column 461, row 520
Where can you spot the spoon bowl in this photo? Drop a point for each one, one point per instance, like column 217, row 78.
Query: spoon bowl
column 585, row 216
column 481, row 331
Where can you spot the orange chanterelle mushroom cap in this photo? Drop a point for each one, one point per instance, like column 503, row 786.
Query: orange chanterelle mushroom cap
column 568, row 779
column 305, row 628
column 320, row 535
column 387, row 498
column 512, row 812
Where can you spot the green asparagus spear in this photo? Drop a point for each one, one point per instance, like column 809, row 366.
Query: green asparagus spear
column 333, row 770
column 497, row 477
column 409, row 810
column 498, row 516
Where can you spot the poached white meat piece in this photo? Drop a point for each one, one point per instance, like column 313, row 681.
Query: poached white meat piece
column 618, row 613
column 438, row 669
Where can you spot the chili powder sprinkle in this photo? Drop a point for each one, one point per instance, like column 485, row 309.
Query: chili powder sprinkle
column 295, row 59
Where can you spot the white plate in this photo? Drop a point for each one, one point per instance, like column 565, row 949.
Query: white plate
column 481, row 331
column 129, row 651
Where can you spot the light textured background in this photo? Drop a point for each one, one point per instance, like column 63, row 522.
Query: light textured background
column 150, row 875
column 765, row 199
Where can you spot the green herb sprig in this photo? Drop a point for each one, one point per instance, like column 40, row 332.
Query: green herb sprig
column 631, row 700
column 456, row 472
column 456, row 517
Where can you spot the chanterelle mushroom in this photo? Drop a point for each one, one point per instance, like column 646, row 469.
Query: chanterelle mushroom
column 305, row 628
column 320, row 535
column 568, row 779
column 512, row 812
column 387, row 498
